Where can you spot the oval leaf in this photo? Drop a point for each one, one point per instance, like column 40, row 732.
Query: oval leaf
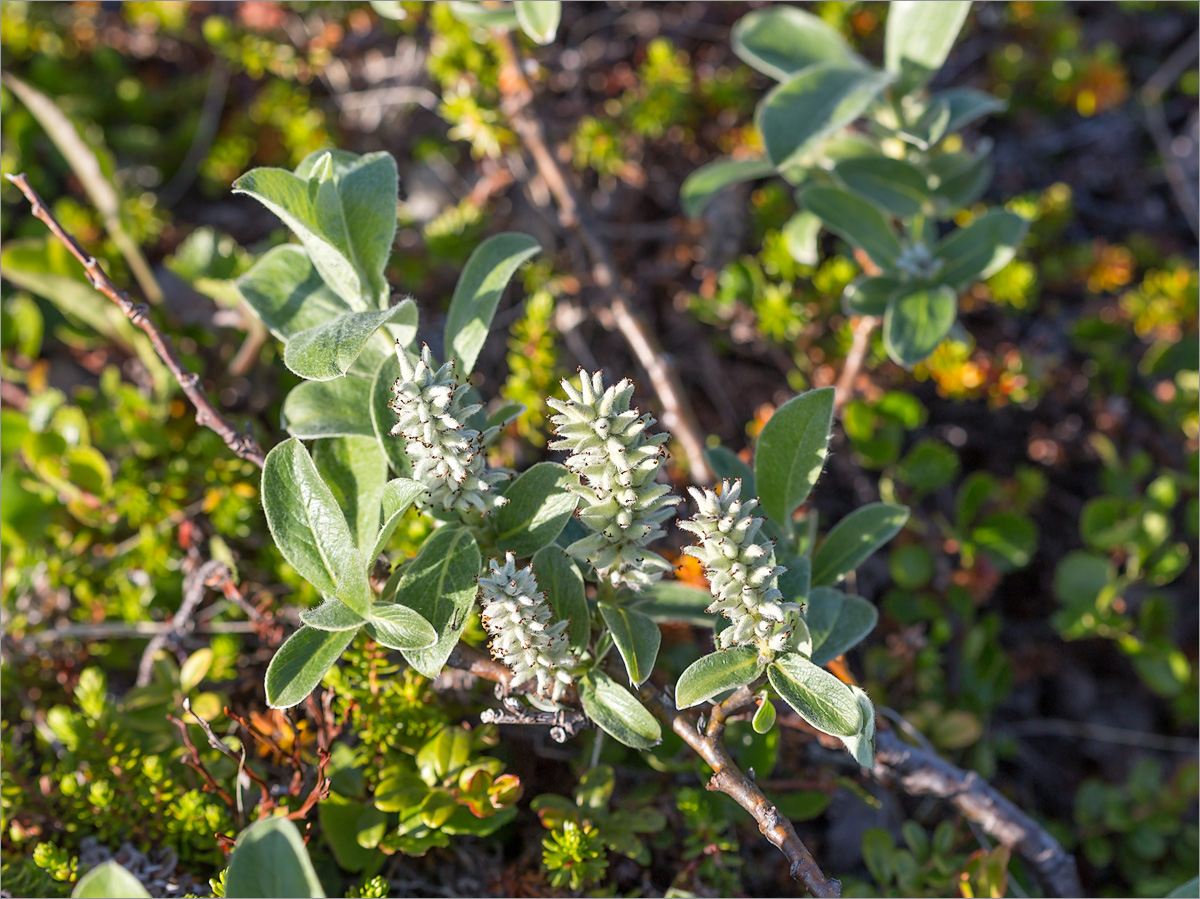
column 439, row 584
column 332, row 615
column 854, row 538
column 817, row 696
column 109, row 881
column 355, row 471
column 764, row 718
column 919, row 36
column 382, row 418
column 327, row 351
column 791, row 452
column 539, row 505
column 836, row 622
column 981, row 249
column 674, row 601
column 478, row 291
column 398, row 495
column 800, row 237
column 798, row 114
column 890, row 183
column 706, row 182
column 779, row 41
column 270, row 860
column 338, row 408
column 309, row 528
column 399, row 627
column 916, row 321
column 561, row 581
column 286, row 292
column 717, row 672
column 869, row 296
column 617, row 712
column 637, row 639
column 855, row 220
column 862, row 744
column 300, row 664
column 539, row 19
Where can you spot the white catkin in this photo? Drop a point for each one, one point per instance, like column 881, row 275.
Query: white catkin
column 446, row 455
column 741, row 570
column 524, row 635
column 617, row 464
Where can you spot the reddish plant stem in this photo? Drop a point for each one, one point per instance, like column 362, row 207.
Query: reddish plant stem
column 207, row 415
column 862, row 328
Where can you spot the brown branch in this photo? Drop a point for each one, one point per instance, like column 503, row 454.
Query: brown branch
column 677, row 414
column 862, row 328
column 207, row 415
column 921, row 773
column 210, row 574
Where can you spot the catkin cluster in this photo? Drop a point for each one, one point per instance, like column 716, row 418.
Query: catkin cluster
column 617, row 464
column 446, row 455
column 741, row 570
column 524, row 637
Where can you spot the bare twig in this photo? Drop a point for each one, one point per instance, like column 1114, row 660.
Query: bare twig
column 677, row 414
column 210, row 574
column 921, row 773
column 207, row 415
column 1156, row 123
column 862, row 328
column 202, row 140
column 563, row 724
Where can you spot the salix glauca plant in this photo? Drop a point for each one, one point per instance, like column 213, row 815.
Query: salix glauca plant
column 877, row 160
column 561, row 556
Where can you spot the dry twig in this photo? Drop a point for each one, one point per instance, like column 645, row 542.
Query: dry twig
column 210, row 574
column 863, row 328
column 207, row 415
column 677, row 414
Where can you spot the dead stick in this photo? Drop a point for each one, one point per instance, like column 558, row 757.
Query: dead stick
column 207, row 415
column 862, row 329
column 677, row 414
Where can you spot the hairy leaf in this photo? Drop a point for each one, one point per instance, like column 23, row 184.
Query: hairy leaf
column 918, row 38
column 717, row 672
column 560, row 579
column 637, row 639
column 916, row 321
column 440, row 585
column 706, row 182
column 300, row 664
column 326, row 351
column 539, row 505
column 780, row 41
column 355, row 470
column 791, row 452
column 857, row 221
column 854, row 539
column 270, row 859
column 817, row 696
column 328, row 409
column 837, row 622
column 617, row 712
column 539, row 19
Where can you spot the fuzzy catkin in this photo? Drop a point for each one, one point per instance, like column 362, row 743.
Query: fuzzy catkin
column 524, row 636
column 617, row 464
column 741, row 570
column 446, row 455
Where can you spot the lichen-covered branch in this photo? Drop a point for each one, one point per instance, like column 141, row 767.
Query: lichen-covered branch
column 207, row 415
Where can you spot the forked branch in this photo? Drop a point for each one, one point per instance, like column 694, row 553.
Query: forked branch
column 207, row 415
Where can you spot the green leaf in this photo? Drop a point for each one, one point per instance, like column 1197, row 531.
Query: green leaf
column 869, row 296
column 854, row 539
column 1108, row 521
column 919, row 36
column 539, row 505
column 1009, row 539
column 398, row 495
column 800, row 237
column 764, row 717
column 301, row 662
column 561, row 581
column 981, row 249
column 967, row 104
column 916, row 321
column 817, row 696
column 791, row 452
column 270, row 860
column 1191, row 888
column 440, row 585
column 475, row 13
column 728, row 466
column 390, row 9
column 286, row 292
column 856, row 220
column 478, row 292
column 961, row 178
column 837, row 622
column 327, row 351
column 891, row 183
column 780, row 41
column 928, row 466
column 109, row 881
column 332, row 615
column 674, row 601
column 637, row 639
column 706, row 182
column 383, row 419
column 309, row 528
column 340, row 823
column 862, row 744
column 717, row 672
column 539, row 19
column 617, row 712
column 796, row 579
column 345, row 217
column 798, row 114
column 399, row 627
column 355, row 471
column 338, row 408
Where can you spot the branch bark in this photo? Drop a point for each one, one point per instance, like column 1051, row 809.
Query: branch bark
column 863, row 328
column 207, row 415
column 677, row 414
column 921, row 773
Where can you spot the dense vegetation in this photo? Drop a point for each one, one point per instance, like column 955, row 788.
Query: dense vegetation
column 599, row 403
